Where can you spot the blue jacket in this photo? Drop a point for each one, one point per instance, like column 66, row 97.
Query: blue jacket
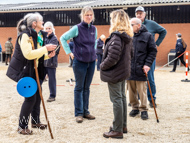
column 84, row 36
column 155, row 28
column 179, row 46
column 100, row 44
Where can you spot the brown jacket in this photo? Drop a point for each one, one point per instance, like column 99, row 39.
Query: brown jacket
column 116, row 61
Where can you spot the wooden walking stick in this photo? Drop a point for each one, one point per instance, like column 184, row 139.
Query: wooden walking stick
column 151, row 97
column 40, row 91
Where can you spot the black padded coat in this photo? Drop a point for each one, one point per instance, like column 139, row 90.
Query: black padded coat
column 116, row 61
column 144, row 53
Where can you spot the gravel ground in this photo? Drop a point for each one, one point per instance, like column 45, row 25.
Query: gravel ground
column 173, row 100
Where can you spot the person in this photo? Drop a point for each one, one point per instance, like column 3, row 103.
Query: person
column 115, row 68
column 179, row 49
column 144, row 55
column 153, row 28
column 8, row 50
column 71, row 46
column 51, row 64
column 99, row 50
column 84, row 36
column 22, row 65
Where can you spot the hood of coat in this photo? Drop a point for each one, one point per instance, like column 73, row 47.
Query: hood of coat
column 126, row 38
column 142, row 29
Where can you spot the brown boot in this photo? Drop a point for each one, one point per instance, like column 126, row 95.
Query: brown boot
column 113, row 134
column 79, row 119
column 89, row 117
column 24, row 131
column 40, row 126
column 124, row 129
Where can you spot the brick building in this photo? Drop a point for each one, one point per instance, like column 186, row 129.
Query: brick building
column 173, row 15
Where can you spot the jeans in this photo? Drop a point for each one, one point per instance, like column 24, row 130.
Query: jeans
column 151, row 81
column 83, row 76
column 31, row 105
column 118, row 98
column 51, row 72
column 99, row 56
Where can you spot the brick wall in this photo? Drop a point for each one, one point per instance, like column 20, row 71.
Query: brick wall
column 163, row 50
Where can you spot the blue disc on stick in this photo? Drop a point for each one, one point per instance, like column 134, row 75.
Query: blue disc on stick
column 27, row 86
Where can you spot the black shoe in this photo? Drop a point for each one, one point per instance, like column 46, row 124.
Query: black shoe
column 133, row 113
column 51, row 99
column 151, row 104
column 144, row 115
column 172, row 71
column 129, row 104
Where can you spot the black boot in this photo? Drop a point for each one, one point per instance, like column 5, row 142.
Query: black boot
column 144, row 115
column 133, row 113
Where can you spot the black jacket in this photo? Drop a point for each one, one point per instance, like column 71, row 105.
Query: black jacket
column 116, row 61
column 19, row 66
column 144, row 53
column 52, row 62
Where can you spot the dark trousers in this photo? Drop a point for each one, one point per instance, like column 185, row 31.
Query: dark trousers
column 181, row 59
column 99, row 56
column 8, row 56
column 70, row 61
column 83, row 76
column 31, row 105
column 51, row 72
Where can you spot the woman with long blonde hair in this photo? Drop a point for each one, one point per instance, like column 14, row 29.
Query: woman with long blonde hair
column 115, row 69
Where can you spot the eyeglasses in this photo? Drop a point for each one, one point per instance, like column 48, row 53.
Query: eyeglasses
column 134, row 24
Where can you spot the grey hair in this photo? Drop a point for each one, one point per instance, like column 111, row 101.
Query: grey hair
column 102, row 36
column 84, row 11
column 137, row 20
column 49, row 24
column 27, row 21
column 31, row 17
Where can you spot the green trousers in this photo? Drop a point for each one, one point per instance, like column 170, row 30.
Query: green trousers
column 118, row 98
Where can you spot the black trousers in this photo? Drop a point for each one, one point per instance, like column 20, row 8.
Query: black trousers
column 31, row 105
column 8, row 56
column 181, row 59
